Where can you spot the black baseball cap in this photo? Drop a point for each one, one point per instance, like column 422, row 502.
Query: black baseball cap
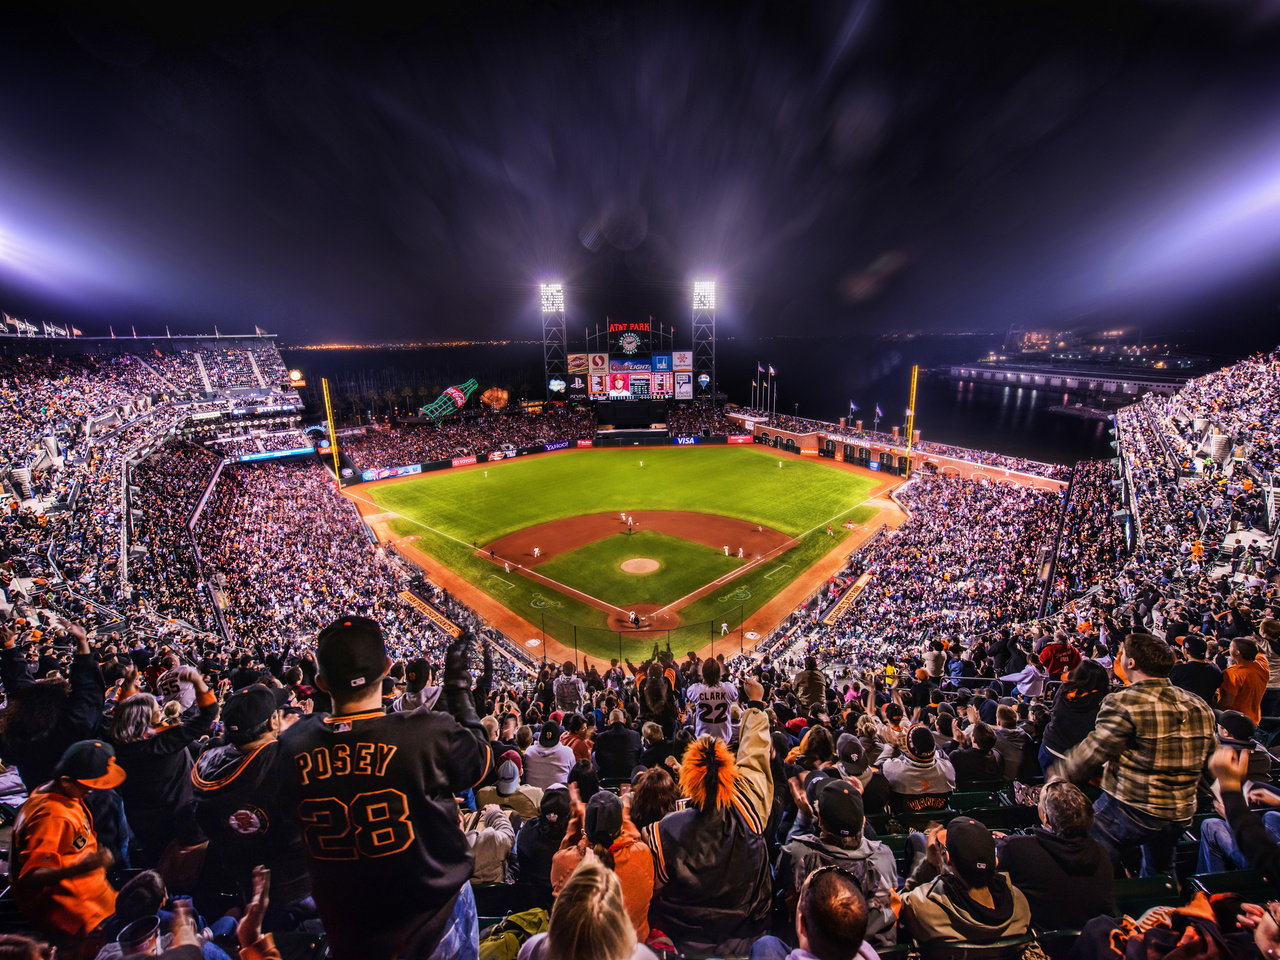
column 972, row 850
column 92, row 763
column 840, row 809
column 416, row 673
column 853, row 759
column 549, row 736
column 249, row 708
column 351, row 653
column 1240, row 729
column 602, row 822
column 555, row 805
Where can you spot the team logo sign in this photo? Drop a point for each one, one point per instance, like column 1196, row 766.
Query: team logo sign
column 629, row 343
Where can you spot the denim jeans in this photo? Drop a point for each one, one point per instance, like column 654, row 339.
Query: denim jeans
column 769, row 948
column 1218, row 849
column 1120, row 827
column 461, row 937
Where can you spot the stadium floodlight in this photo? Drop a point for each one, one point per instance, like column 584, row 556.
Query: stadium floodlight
column 704, row 295
column 552, row 298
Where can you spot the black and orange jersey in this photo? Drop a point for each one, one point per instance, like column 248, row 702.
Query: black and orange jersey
column 373, row 795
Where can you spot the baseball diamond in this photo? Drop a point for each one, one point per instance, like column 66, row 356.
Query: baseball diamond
column 587, row 513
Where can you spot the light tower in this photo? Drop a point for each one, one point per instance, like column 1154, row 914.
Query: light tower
column 704, row 334
column 555, row 360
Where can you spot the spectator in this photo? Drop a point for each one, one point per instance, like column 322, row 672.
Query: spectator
column 604, row 826
column 969, row 901
column 921, row 778
column 840, row 842
column 1063, row 872
column 1153, row 738
column 238, row 803
column 540, row 838
column 58, row 871
column 810, row 685
column 548, row 761
column 158, row 796
column 831, row 922
column 1245, row 681
column 490, row 836
column 1194, row 674
column 509, row 793
column 975, row 759
column 570, row 691
column 712, row 859
column 617, row 748
column 589, row 919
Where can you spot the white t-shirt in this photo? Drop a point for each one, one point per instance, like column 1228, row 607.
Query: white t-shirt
column 712, row 705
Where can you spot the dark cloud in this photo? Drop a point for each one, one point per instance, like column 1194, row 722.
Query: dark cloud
column 856, row 166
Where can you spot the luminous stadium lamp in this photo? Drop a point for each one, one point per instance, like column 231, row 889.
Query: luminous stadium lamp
column 704, row 295
column 552, row 298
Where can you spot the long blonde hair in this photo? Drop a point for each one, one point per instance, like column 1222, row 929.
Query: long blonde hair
column 589, row 920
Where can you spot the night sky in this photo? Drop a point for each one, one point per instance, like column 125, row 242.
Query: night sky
column 855, row 167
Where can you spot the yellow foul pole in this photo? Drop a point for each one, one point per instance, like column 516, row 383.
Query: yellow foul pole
column 911, row 416
column 333, row 433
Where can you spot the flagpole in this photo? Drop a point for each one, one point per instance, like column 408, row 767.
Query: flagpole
column 911, row 416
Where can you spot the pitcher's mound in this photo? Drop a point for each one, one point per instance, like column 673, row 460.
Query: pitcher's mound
column 640, row 565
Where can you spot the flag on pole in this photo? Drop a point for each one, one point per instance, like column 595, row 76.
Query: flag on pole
column 135, row 333
column 771, row 371
column 167, row 333
column 759, row 367
column 113, row 332
column 76, row 332
column 754, row 384
column 878, row 413
column 11, row 321
column 853, row 407
column 908, row 411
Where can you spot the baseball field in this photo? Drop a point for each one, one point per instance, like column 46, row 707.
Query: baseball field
column 606, row 555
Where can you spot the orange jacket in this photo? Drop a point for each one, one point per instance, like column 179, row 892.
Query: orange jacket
column 55, row 830
column 632, row 862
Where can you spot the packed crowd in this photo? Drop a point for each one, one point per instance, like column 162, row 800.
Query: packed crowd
column 1243, row 400
column 230, row 368
column 467, row 436
column 689, row 419
column 965, row 561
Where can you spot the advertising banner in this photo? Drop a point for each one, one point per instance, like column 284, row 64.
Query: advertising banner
column 619, row 386
column 556, row 388
column 663, row 384
column 579, row 363
column 558, row 445
column 463, row 461
column 741, row 438
column 384, row 473
column 629, row 365
column 585, row 444
column 684, row 441
column 577, row 388
column 598, row 363
column 273, row 454
column 662, row 363
column 682, row 360
column 684, row 385
column 431, row 613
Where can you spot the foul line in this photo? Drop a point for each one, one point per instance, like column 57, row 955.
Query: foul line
column 527, row 571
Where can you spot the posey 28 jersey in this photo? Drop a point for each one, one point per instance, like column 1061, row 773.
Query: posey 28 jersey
column 373, row 796
column 712, row 705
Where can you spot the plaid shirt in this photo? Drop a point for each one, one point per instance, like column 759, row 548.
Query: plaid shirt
column 1154, row 739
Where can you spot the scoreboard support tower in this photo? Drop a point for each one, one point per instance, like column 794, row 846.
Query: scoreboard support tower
column 704, row 336
column 555, row 359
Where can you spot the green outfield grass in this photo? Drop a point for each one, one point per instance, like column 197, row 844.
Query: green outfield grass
column 596, row 568
column 450, row 510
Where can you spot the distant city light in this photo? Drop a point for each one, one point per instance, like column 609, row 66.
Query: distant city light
column 552, row 298
column 704, row 295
